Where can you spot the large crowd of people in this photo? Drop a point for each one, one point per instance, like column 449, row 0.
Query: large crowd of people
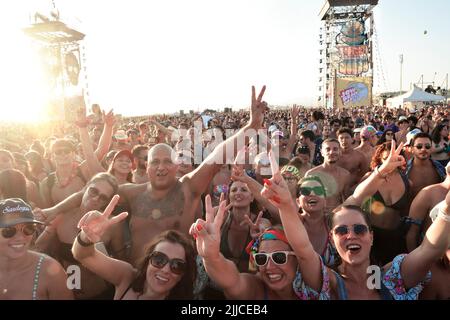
column 261, row 204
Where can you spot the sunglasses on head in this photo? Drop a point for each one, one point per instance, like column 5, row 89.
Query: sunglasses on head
column 27, row 230
column 420, row 146
column 159, row 260
column 94, row 192
column 306, row 191
column 278, row 257
column 60, row 152
column 358, row 229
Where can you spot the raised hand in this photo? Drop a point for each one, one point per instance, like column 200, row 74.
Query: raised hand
column 258, row 227
column 95, row 223
column 109, row 118
column 82, row 121
column 207, row 233
column 394, row 161
column 294, row 112
column 258, row 108
column 276, row 189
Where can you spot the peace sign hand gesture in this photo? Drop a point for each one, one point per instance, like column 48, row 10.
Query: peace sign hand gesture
column 394, row 161
column 258, row 109
column 108, row 118
column 207, row 233
column 95, row 223
column 258, row 227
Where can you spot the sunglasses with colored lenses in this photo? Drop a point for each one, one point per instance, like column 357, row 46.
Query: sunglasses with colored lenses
column 420, row 146
column 358, row 229
column 159, row 260
column 306, row 191
column 94, row 192
column 278, row 257
column 60, row 152
column 26, row 229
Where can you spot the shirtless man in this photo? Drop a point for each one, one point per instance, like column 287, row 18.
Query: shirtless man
column 69, row 177
column 420, row 208
column 368, row 142
column 166, row 202
column 25, row 274
column 421, row 169
column 350, row 159
column 336, row 179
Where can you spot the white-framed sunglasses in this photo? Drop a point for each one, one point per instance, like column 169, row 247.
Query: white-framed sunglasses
column 278, row 257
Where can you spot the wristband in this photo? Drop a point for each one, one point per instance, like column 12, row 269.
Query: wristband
column 82, row 243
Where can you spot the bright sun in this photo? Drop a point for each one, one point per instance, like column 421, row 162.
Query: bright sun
column 24, row 91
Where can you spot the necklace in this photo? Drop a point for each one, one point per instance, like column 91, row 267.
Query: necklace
column 64, row 183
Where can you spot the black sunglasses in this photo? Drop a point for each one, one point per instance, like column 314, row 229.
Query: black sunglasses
column 420, row 146
column 358, row 229
column 145, row 158
column 159, row 260
column 278, row 257
column 94, row 192
column 27, row 229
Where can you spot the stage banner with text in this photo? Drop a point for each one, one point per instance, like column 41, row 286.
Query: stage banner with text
column 353, row 92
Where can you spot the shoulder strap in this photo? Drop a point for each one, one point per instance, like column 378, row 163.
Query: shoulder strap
column 36, row 277
column 125, row 292
column 342, row 291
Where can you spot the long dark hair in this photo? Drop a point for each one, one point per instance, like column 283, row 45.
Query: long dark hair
column 436, row 133
column 184, row 289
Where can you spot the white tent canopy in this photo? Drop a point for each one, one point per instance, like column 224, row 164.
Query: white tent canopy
column 414, row 95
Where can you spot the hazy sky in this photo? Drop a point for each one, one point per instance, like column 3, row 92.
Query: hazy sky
column 162, row 56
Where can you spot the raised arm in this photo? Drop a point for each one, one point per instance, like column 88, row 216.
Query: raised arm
column 417, row 263
column 277, row 191
column 106, row 137
column 93, row 226
column 222, row 271
column 294, row 124
column 418, row 211
column 372, row 184
column 91, row 165
column 225, row 152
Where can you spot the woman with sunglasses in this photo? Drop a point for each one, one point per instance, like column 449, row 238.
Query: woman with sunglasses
column 25, row 274
column 271, row 253
column 401, row 279
column 441, row 145
column 311, row 200
column 166, row 271
column 62, row 231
